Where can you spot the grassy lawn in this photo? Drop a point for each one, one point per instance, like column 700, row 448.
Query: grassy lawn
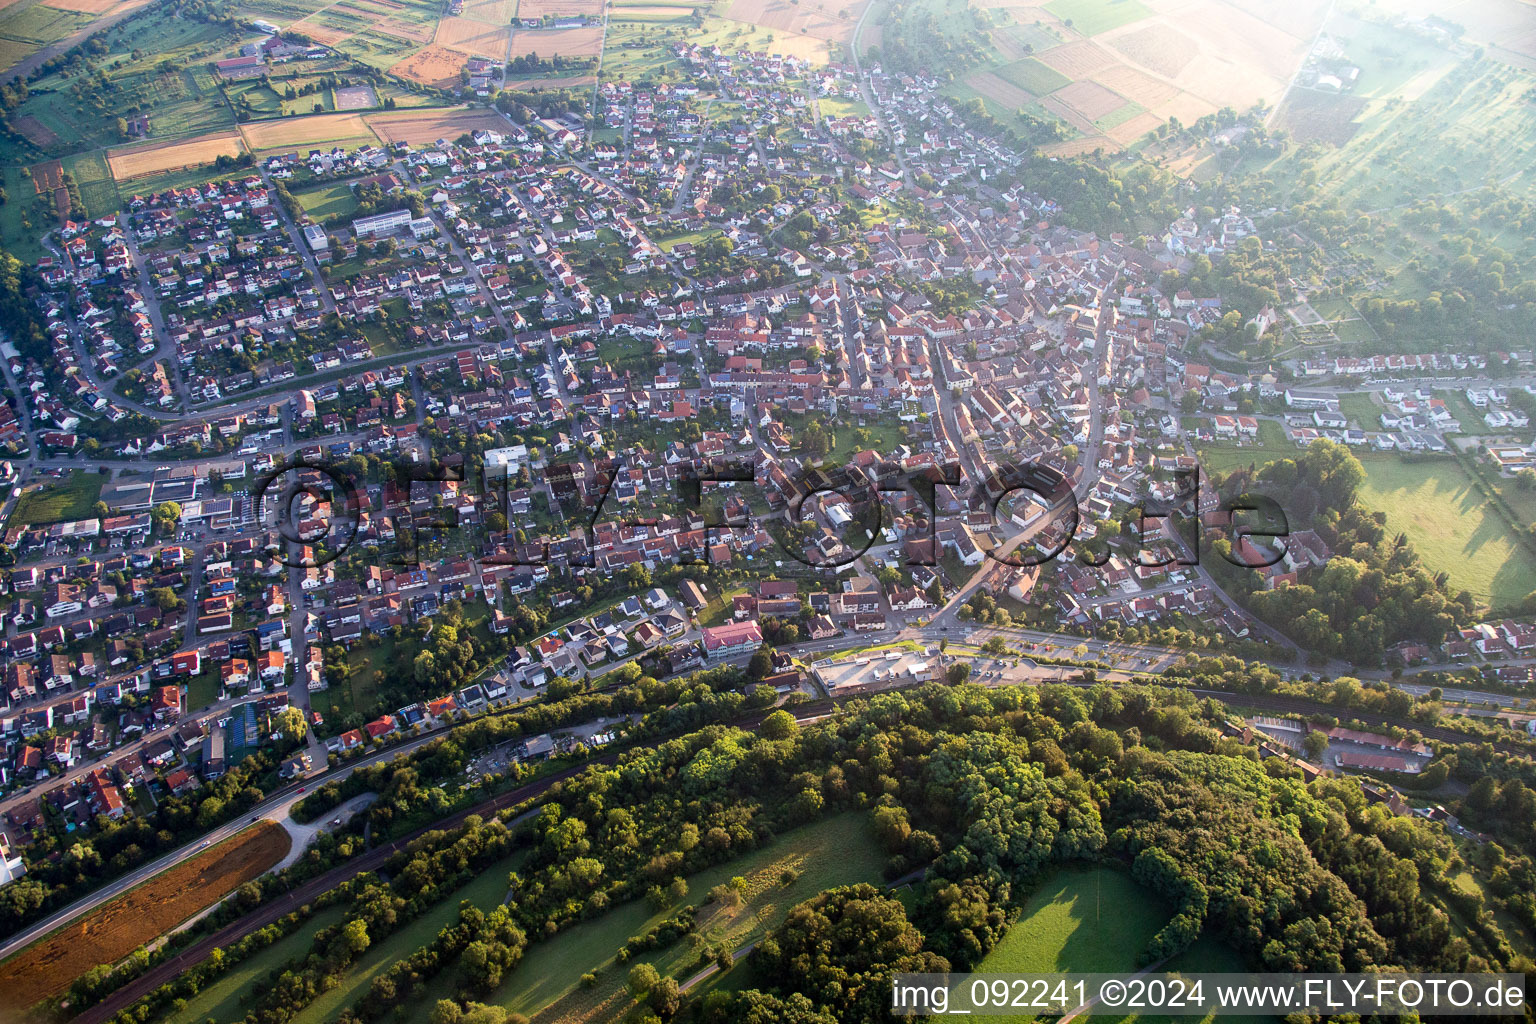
column 1447, row 521
column 24, row 203
column 224, row 1000
column 203, row 689
column 1361, row 410
column 546, row 985
column 837, row 106
column 1090, row 17
column 1468, row 418
column 1223, row 458
column 63, row 501
column 1080, row 920
column 332, row 200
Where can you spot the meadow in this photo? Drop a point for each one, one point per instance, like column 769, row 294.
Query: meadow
column 1091, row 17
column 65, row 501
column 225, row 999
column 1093, row 919
column 333, row 199
column 1451, row 526
column 487, row 891
column 546, row 985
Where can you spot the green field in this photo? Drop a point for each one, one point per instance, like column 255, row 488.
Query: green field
column 227, row 998
column 59, row 502
column 333, row 200
column 833, row 852
column 154, row 66
column 97, row 186
column 24, row 206
column 1090, row 17
column 40, row 24
column 837, row 106
column 1115, row 118
column 1093, row 919
column 1079, row 920
column 487, row 890
column 1450, row 526
column 1032, row 76
column 1361, row 410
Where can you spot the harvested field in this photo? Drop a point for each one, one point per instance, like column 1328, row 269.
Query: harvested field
column 1090, row 99
column 1067, row 114
column 322, row 33
column 564, row 42
column 823, row 19
column 1319, row 117
column 61, row 204
column 399, row 28
column 35, row 131
column 1136, row 85
column 114, row 930
column 429, row 125
column 47, row 177
column 299, row 132
column 475, row 38
column 995, row 90
column 559, row 8
column 82, row 6
column 137, row 161
column 494, row 12
column 1160, row 48
column 433, row 66
column 1077, row 60
column 356, row 97
column 1134, row 128
column 1302, row 17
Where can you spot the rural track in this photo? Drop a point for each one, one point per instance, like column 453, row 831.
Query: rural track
column 269, row 913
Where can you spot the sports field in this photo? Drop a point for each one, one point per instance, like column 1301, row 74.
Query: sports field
column 1451, row 526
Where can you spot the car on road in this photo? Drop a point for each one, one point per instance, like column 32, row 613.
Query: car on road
column 302, row 788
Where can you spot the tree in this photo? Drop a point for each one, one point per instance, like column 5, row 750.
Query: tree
column 780, row 725
column 840, row 949
column 958, row 673
column 1315, row 743
column 642, row 978
column 665, row 998
column 761, row 663
column 165, row 598
column 166, row 515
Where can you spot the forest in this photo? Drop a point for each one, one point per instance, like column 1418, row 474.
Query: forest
column 986, row 792
column 1372, row 593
